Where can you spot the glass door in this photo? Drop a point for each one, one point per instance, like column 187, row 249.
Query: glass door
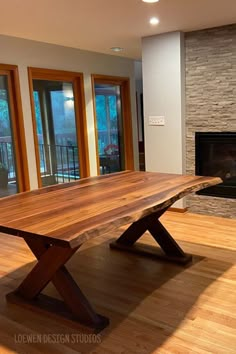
column 113, row 124
column 109, row 128
column 12, row 144
column 56, row 130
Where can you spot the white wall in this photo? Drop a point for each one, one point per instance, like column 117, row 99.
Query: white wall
column 163, row 90
column 26, row 53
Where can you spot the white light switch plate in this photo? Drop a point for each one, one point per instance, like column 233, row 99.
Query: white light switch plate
column 156, row 120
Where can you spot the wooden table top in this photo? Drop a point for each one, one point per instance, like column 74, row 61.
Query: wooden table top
column 69, row 214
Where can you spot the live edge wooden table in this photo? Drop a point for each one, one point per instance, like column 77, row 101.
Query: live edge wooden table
column 55, row 221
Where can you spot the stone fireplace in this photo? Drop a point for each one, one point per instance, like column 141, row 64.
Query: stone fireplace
column 210, row 57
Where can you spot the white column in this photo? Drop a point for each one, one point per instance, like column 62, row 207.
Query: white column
column 164, row 95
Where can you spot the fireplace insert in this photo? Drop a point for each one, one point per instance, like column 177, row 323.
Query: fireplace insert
column 216, row 156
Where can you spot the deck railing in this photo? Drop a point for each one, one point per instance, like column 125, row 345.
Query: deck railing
column 58, row 161
column 7, row 159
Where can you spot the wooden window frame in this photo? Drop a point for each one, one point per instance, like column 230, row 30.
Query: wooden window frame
column 17, row 124
column 77, row 81
column 124, row 84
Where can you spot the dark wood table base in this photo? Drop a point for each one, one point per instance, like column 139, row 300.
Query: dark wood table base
column 169, row 249
column 56, row 309
column 50, row 267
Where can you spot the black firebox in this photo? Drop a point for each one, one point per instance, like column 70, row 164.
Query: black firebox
column 216, row 156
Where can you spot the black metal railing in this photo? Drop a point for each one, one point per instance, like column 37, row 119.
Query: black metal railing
column 7, row 159
column 59, row 163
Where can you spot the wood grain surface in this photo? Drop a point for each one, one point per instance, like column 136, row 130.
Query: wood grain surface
column 69, row 214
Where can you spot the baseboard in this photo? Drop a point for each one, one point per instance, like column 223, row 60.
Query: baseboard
column 178, row 210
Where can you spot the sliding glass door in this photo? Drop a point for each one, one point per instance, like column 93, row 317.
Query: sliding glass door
column 56, row 122
column 113, row 124
column 13, row 165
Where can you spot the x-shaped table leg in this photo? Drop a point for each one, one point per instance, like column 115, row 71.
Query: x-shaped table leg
column 169, row 249
column 50, row 267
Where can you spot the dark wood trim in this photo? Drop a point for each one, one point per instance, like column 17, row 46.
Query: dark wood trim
column 80, row 113
column 95, row 124
column 124, row 84
column 18, row 132
column 21, row 131
column 106, row 79
column 54, row 75
column 37, row 157
column 81, row 124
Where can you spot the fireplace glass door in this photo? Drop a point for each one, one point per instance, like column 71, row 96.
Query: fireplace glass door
column 216, row 156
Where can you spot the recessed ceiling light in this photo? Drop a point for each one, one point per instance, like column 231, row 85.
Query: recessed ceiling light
column 154, row 21
column 150, row 1
column 117, row 49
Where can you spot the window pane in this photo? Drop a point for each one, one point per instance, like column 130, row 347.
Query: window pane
column 109, row 127
column 8, row 174
column 38, row 117
column 56, row 131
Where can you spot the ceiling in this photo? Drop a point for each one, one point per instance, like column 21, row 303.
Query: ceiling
column 98, row 25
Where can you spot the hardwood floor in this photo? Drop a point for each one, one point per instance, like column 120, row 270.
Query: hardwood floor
column 154, row 307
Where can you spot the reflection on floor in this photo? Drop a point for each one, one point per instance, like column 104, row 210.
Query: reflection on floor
column 154, row 307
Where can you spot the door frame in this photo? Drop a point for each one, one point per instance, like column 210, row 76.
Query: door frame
column 17, row 125
column 77, row 81
column 124, row 84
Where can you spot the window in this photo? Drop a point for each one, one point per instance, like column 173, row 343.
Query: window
column 59, row 124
